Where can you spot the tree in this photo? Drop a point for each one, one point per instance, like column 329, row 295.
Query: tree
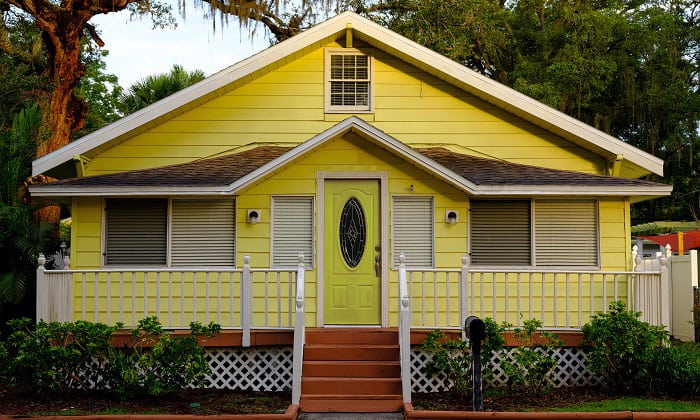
column 156, row 87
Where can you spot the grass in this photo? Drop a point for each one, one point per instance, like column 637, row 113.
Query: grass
column 632, row 404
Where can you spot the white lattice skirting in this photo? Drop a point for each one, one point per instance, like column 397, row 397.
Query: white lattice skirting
column 270, row 369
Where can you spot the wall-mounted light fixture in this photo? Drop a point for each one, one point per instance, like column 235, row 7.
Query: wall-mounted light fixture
column 253, row 216
column 451, row 216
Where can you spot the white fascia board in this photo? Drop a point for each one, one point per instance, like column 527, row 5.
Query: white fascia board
column 572, row 190
column 59, row 191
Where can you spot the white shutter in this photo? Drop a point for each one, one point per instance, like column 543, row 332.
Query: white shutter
column 203, row 233
column 566, row 233
column 500, row 232
column 136, row 232
column 292, row 231
column 412, row 230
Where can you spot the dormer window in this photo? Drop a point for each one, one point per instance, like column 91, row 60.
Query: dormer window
column 348, row 81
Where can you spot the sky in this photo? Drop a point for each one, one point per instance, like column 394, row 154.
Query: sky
column 136, row 50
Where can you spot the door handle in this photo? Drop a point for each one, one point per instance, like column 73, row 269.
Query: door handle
column 377, row 262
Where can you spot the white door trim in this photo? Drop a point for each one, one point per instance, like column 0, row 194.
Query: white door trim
column 383, row 178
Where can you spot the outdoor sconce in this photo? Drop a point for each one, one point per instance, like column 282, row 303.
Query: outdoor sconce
column 451, row 217
column 253, row 216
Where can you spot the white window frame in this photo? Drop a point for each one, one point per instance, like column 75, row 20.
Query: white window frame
column 345, row 109
column 309, row 260
column 169, row 227
column 394, row 250
column 533, row 238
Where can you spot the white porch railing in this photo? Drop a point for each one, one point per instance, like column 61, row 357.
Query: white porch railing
column 443, row 298
column 242, row 298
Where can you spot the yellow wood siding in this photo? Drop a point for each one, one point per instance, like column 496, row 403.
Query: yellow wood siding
column 285, row 105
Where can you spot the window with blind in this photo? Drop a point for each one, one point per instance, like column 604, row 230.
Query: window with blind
column 136, row 232
column 539, row 233
column 200, row 233
column 566, row 233
column 412, row 230
column 348, row 81
column 500, row 232
column 292, row 231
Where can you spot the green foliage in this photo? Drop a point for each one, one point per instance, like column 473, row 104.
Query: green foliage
column 453, row 358
column 57, row 357
column 60, row 357
column 156, row 363
column 533, row 360
column 22, row 238
column 674, row 371
column 156, row 87
column 621, row 347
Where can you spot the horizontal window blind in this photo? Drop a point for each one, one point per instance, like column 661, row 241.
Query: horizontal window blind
column 292, row 231
column 412, row 231
column 500, row 232
column 566, row 233
column 136, row 232
column 203, row 233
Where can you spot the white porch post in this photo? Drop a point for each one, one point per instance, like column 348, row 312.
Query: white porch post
column 42, row 295
column 464, row 293
column 404, row 331
column 246, row 301
column 299, row 334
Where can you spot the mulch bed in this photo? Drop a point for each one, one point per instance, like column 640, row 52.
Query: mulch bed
column 501, row 400
column 16, row 402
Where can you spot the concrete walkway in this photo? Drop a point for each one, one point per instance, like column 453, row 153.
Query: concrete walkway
column 350, row 416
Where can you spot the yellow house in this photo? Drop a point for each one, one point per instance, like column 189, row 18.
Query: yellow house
column 373, row 169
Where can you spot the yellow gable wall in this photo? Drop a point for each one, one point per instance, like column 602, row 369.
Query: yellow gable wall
column 286, row 106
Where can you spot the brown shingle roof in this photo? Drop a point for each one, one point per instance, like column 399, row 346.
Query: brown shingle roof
column 483, row 171
column 217, row 171
column 224, row 170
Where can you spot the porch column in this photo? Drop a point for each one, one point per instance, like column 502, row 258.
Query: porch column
column 464, row 293
column 42, row 295
column 246, row 301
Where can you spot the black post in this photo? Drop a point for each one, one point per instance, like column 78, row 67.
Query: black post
column 476, row 331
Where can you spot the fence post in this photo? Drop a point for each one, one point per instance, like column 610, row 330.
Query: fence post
column 42, row 295
column 404, row 331
column 665, row 292
column 299, row 334
column 246, row 301
column 464, row 292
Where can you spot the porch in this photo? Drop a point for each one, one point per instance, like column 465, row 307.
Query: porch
column 261, row 302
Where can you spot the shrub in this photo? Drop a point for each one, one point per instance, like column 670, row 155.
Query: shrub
column 453, row 358
column 57, row 357
column 674, row 371
column 533, row 359
column 156, row 363
column 621, row 347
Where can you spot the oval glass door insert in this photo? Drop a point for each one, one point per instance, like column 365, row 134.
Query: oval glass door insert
column 353, row 232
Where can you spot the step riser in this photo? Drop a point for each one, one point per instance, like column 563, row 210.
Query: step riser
column 352, row 369
column 325, row 405
column 352, row 337
column 335, row 353
column 351, row 386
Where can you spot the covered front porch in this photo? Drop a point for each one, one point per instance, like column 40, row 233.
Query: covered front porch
column 267, row 307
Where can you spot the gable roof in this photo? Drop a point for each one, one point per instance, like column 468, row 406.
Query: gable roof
column 636, row 162
column 229, row 174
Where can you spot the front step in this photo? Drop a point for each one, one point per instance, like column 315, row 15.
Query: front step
column 351, row 370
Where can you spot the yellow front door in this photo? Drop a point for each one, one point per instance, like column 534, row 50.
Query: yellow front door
column 351, row 275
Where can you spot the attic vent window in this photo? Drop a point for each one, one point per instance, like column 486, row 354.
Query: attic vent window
column 348, row 81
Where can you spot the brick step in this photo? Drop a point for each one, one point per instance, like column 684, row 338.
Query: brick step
column 352, row 336
column 311, row 403
column 355, row 368
column 350, row 386
column 364, row 352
